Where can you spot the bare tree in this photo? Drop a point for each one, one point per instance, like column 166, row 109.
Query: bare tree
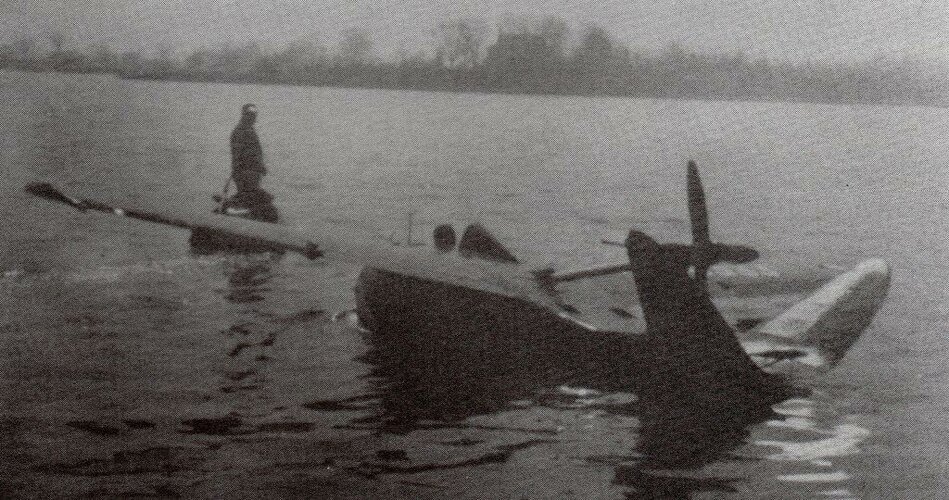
column 23, row 48
column 305, row 52
column 458, row 42
column 56, row 41
column 355, row 47
column 555, row 32
column 103, row 57
column 596, row 46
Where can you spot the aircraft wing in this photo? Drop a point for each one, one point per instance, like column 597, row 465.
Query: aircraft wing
column 605, row 297
column 816, row 332
column 799, row 332
column 327, row 241
column 276, row 236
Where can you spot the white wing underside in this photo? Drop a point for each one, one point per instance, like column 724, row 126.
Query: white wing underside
column 817, row 331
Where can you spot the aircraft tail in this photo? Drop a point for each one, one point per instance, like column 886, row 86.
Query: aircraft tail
column 815, row 333
column 692, row 347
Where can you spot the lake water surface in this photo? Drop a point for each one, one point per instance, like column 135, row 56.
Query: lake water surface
column 130, row 367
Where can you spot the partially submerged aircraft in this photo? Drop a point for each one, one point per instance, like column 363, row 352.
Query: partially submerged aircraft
column 474, row 291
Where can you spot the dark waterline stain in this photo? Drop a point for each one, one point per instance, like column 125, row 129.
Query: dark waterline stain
column 138, row 423
column 94, row 427
column 503, row 453
column 213, row 426
column 285, row 427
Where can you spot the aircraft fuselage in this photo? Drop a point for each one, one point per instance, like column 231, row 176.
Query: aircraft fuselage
column 467, row 326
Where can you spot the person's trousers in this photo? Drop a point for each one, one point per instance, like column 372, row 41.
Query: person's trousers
column 247, row 180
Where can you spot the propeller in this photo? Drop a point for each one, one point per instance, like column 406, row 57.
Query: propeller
column 701, row 254
column 704, row 252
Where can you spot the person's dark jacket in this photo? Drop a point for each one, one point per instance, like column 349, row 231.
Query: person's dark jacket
column 246, row 154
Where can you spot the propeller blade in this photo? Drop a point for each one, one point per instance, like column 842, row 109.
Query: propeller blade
column 698, row 211
column 702, row 253
column 736, row 254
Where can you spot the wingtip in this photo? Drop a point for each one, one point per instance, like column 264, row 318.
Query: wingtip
column 48, row 191
column 876, row 266
column 39, row 188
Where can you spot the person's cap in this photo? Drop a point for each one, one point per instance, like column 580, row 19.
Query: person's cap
column 249, row 109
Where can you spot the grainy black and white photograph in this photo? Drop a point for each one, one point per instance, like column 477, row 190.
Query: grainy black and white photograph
column 432, row 249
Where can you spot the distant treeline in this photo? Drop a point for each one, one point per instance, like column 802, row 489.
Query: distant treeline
column 525, row 57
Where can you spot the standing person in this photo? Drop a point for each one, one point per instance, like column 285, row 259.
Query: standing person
column 247, row 159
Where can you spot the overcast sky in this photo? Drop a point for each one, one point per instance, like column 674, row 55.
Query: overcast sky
column 786, row 29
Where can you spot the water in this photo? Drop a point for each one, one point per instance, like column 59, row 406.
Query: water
column 128, row 366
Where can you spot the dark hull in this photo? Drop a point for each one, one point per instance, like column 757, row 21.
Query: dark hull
column 442, row 352
column 472, row 327
column 462, row 324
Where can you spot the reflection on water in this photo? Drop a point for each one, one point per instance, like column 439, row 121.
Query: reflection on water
column 424, row 378
column 248, row 336
column 813, row 446
column 653, row 484
column 416, row 389
column 247, row 281
column 841, row 440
